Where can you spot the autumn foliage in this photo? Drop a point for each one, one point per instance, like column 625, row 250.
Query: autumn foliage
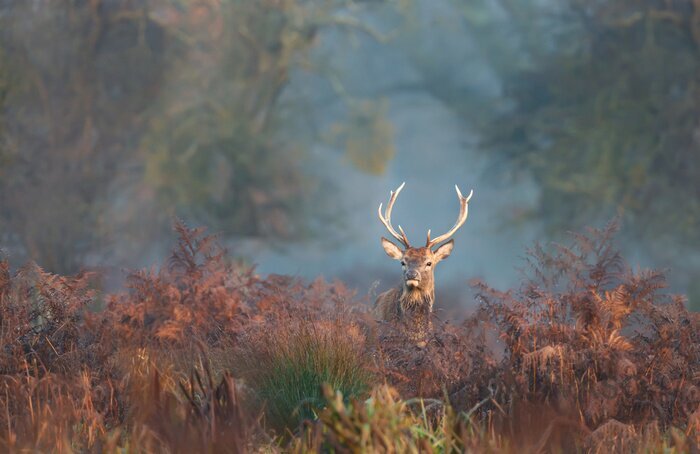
column 207, row 355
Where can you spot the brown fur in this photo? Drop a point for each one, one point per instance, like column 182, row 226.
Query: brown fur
column 413, row 309
column 394, row 303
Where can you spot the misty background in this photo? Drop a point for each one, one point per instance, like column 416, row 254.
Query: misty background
column 282, row 124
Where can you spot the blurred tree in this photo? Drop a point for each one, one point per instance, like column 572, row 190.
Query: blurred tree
column 366, row 136
column 79, row 75
column 609, row 123
column 120, row 114
column 603, row 112
column 597, row 102
column 213, row 148
column 4, row 88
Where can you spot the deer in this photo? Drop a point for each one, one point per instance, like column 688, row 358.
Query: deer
column 411, row 303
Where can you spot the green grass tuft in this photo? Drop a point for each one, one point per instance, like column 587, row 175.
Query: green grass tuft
column 286, row 369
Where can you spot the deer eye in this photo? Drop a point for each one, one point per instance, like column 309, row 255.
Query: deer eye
column 429, row 264
column 403, row 263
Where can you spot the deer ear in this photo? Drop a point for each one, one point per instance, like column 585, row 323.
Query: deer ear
column 444, row 251
column 391, row 249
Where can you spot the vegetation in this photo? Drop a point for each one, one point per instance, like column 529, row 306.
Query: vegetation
column 286, row 368
column 117, row 116
column 205, row 355
column 180, row 107
column 597, row 106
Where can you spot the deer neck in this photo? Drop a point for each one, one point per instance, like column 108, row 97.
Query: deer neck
column 413, row 299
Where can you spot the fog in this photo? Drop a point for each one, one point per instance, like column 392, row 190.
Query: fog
column 431, row 75
column 434, row 151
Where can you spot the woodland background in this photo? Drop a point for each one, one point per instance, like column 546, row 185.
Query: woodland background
column 281, row 124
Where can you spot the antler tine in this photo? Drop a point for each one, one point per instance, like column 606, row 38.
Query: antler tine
column 404, row 238
column 386, row 218
column 463, row 213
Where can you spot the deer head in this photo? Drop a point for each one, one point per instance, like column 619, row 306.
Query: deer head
column 419, row 263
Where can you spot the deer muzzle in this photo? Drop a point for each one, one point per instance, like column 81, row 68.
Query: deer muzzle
column 412, row 278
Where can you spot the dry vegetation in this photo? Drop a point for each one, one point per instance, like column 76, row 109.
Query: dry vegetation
column 207, row 356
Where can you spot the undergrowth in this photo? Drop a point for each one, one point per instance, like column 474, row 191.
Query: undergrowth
column 286, row 368
column 205, row 355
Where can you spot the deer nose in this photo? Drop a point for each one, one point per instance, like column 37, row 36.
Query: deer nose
column 412, row 275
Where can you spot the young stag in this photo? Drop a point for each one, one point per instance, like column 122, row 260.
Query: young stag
column 412, row 302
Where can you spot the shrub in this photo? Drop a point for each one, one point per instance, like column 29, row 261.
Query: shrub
column 585, row 355
column 594, row 341
column 41, row 320
column 287, row 366
column 53, row 413
column 455, row 360
column 386, row 423
column 197, row 415
column 199, row 295
column 585, row 341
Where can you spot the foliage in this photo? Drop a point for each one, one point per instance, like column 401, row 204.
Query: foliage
column 79, row 77
column 454, row 359
column 585, row 355
column 281, row 337
column 41, row 320
column 213, row 148
column 197, row 296
column 367, row 136
column 117, row 116
column 584, row 344
column 299, row 337
column 201, row 416
column 386, row 423
column 287, row 367
column 596, row 342
column 598, row 106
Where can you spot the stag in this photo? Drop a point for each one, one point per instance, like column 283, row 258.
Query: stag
column 412, row 302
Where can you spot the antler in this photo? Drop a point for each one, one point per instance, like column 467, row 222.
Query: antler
column 463, row 212
column 386, row 218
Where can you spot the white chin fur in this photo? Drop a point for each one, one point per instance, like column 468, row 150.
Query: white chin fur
column 412, row 283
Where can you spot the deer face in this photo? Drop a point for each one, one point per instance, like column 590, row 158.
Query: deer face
column 418, row 264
